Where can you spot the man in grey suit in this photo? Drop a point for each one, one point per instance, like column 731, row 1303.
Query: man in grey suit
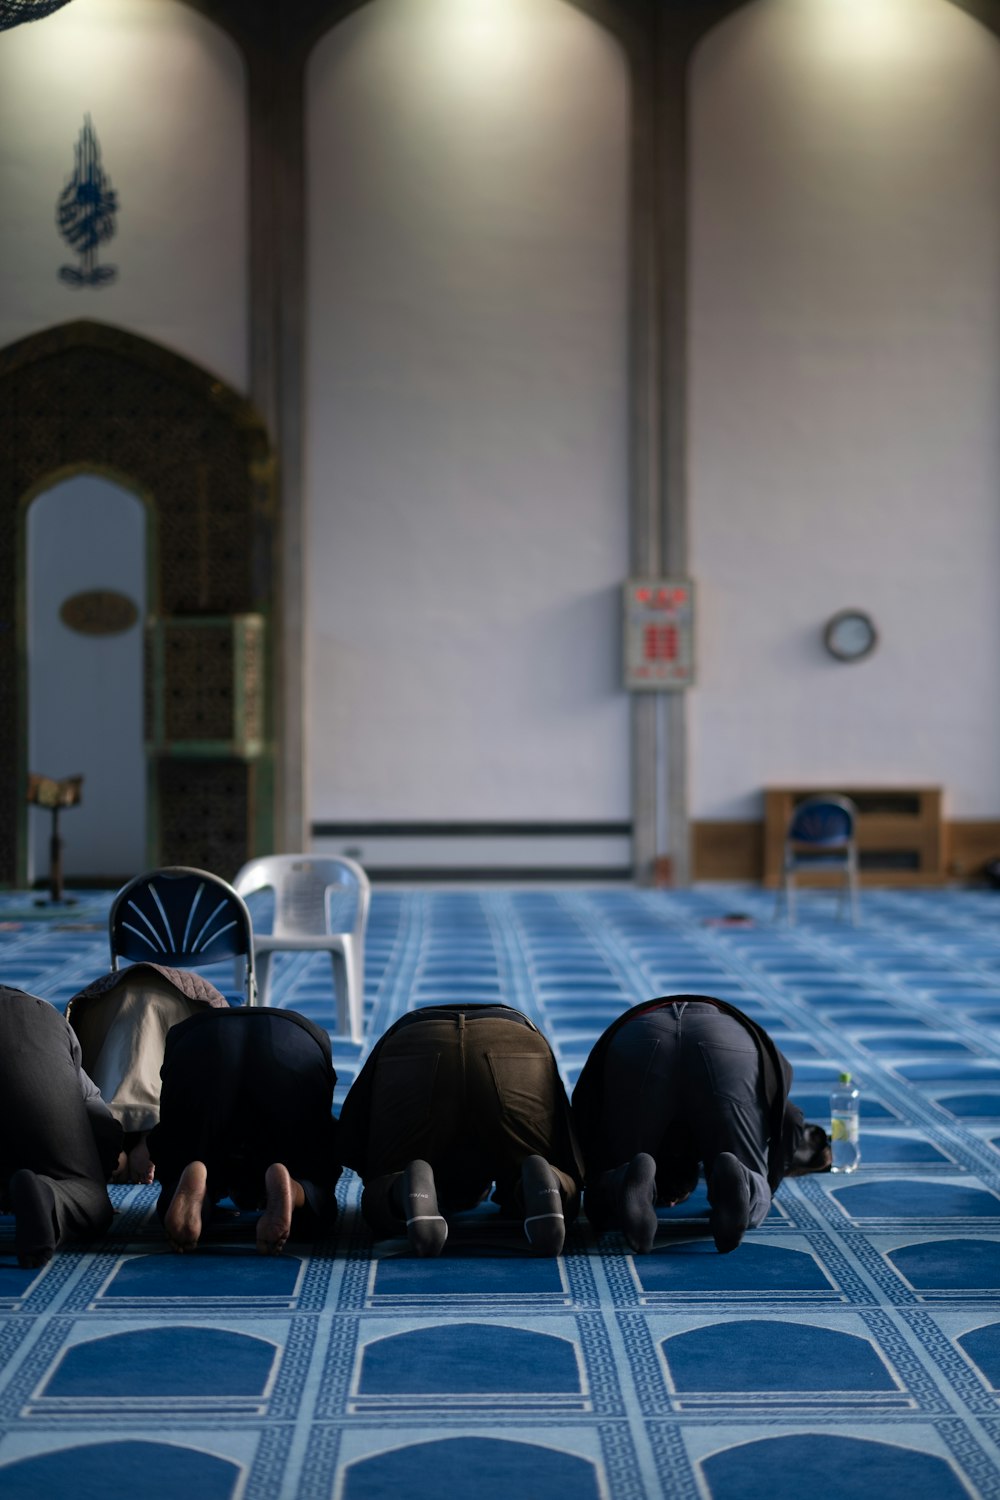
column 59, row 1143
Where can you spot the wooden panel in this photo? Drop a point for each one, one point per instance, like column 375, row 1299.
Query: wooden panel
column 969, row 844
column 727, row 850
column 899, row 829
column 735, row 850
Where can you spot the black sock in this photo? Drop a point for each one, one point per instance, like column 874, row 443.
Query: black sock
column 729, row 1195
column 637, row 1203
column 33, row 1205
column 543, row 1211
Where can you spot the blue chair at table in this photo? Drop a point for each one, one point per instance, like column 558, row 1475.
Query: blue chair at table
column 821, row 836
column 182, row 918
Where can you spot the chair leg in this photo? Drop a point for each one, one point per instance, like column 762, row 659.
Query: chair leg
column 852, row 885
column 348, row 983
column 342, row 990
column 842, row 892
column 356, row 991
column 262, row 963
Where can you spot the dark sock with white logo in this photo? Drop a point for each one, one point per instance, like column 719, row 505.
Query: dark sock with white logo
column 544, row 1224
column 414, row 1197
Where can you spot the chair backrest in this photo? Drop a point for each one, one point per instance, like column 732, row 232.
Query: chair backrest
column 183, row 918
column 825, row 822
column 313, row 894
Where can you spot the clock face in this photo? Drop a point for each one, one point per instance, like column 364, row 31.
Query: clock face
column 850, row 635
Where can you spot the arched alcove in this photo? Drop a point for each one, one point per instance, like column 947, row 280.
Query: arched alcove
column 86, row 398
column 842, row 378
column 466, row 456
column 86, row 608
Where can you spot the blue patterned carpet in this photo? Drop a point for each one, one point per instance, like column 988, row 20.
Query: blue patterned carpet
column 849, row 1348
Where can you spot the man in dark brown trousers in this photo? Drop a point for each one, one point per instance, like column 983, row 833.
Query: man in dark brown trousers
column 454, row 1101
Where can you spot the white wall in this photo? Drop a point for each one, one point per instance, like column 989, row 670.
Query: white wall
column 166, row 92
column 845, row 323
column 85, row 691
column 467, row 506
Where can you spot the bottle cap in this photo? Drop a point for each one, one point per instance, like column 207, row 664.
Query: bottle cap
column 845, row 1078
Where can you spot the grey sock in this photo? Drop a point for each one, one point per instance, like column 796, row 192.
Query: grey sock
column 544, row 1224
column 426, row 1228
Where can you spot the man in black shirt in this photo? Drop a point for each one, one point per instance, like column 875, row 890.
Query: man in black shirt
column 245, row 1113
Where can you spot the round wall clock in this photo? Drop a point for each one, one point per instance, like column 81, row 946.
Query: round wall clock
column 850, row 634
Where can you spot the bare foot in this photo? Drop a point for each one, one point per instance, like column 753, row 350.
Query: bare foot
column 283, row 1195
column 183, row 1218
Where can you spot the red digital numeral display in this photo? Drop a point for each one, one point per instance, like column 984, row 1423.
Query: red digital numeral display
column 659, row 642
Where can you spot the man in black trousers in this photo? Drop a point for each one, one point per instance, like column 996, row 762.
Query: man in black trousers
column 453, row 1101
column 681, row 1080
column 59, row 1143
column 246, row 1113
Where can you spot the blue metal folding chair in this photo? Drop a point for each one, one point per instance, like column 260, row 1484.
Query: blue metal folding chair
column 821, row 836
column 182, row 918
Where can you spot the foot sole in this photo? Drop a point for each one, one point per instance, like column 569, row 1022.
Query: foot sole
column 183, row 1220
column 275, row 1223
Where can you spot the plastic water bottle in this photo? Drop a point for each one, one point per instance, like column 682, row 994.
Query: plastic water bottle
column 845, row 1109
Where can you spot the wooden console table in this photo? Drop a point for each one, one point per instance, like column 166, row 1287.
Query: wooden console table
column 900, row 834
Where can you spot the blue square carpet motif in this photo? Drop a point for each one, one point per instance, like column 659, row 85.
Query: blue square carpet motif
column 850, row 1348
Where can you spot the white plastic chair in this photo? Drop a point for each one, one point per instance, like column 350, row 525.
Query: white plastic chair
column 320, row 905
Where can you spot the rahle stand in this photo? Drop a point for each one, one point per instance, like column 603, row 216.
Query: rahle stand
column 55, row 896
column 47, row 792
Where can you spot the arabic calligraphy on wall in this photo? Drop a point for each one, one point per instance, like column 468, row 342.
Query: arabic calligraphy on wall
column 86, row 213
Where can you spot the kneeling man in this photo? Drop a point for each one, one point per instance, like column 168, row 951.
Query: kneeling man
column 59, row 1143
column 681, row 1080
column 246, row 1113
column 456, row 1100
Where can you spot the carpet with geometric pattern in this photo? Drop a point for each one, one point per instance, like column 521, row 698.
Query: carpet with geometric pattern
column 850, row 1348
